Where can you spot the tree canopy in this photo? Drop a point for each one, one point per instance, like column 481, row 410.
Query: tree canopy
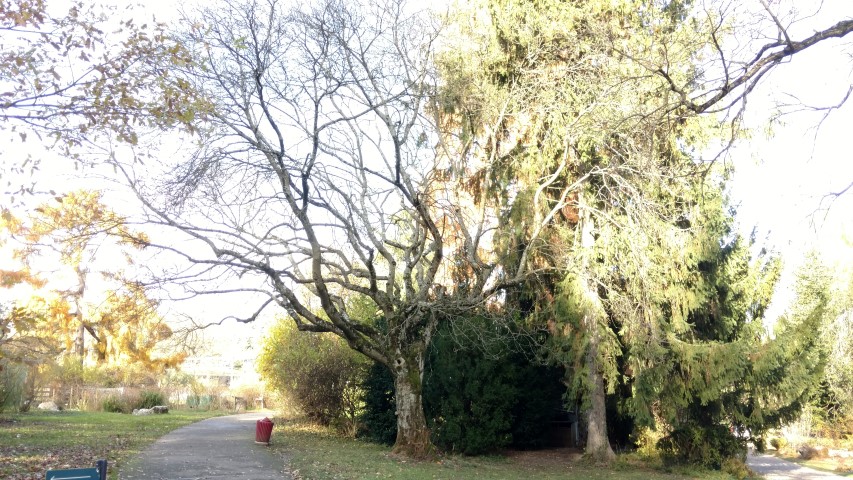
column 78, row 76
column 589, row 123
column 63, row 311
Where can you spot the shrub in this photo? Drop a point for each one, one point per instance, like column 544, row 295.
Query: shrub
column 809, row 452
column 479, row 399
column 251, row 394
column 114, row 404
column 150, row 398
column 177, row 384
column 318, row 371
column 760, row 444
column 778, row 443
column 476, row 401
column 469, row 400
column 705, row 445
column 736, row 468
column 378, row 422
column 12, row 380
column 646, row 441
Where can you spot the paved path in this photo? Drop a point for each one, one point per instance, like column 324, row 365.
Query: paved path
column 777, row 469
column 216, row 448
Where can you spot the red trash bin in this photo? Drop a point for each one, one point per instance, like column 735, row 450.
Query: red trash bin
column 263, row 431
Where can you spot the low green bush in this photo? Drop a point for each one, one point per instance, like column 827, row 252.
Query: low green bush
column 778, row 443
column 378, row 422
column 736, row 468
column 703, row 445
column 476, row 401
column 114, row 404
column 150, row 398
column 480, row 399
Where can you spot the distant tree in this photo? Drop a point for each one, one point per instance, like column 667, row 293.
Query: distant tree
column 823, row 296
column 131, row 331
column 838, row 339
column 60, row 241
column 26, row 335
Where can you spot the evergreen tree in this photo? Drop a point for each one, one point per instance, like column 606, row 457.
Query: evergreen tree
column 586, row 157
column 838, row 337
column 479, row 396
column 581, row 127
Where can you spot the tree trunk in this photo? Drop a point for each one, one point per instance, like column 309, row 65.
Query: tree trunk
column 80, row 340
column 597, row 444
column 412, row 431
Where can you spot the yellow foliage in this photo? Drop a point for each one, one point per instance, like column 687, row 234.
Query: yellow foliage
column 125, row 327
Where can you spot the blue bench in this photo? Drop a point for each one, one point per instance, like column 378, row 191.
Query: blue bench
column 97, row 473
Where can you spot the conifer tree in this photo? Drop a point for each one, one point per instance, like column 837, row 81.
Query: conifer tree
column 592, row 187
column 584, row 120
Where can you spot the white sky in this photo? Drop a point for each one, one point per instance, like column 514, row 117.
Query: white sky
column 779, row 181
column 782, row 180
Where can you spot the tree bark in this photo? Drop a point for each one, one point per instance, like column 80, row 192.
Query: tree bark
column 80, row 340
column 597, row 444
column 412, row 431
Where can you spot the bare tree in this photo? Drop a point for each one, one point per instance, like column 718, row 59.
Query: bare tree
column 317, row 179
column 742, row 43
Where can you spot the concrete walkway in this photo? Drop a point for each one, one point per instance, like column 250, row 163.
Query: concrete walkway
column 216, row 448
column 777, row 469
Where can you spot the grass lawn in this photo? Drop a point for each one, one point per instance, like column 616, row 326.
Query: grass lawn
column 317, row 454
column 838, row 466
column 32, row 443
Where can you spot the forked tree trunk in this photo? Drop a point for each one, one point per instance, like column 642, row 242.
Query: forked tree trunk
column 412, row 431
column 597, row 445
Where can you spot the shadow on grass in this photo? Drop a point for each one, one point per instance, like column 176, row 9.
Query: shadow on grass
column 319, row 453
